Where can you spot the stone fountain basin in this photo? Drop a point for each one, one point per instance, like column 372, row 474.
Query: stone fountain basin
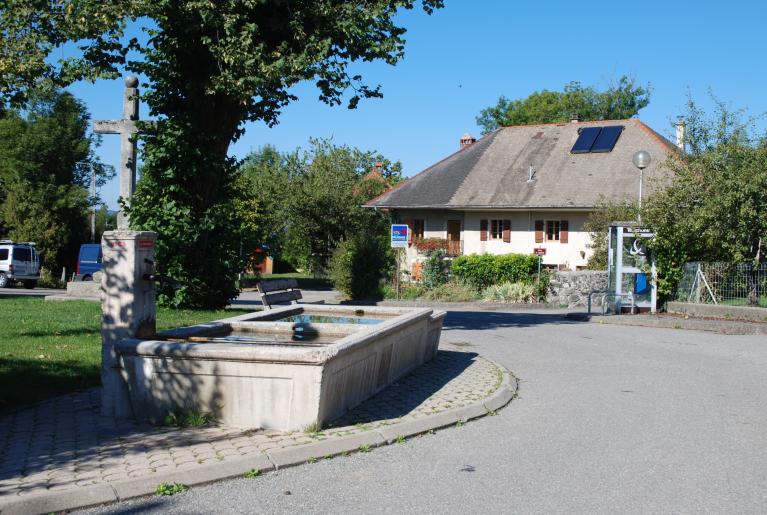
column 257, row 371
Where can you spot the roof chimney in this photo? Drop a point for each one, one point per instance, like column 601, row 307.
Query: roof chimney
column 575, row 118
column 466, row 140
column 680, row 133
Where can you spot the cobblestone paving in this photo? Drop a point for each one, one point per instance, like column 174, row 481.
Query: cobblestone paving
column 64, row 443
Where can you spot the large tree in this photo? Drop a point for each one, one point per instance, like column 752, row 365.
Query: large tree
column 46, row 163
column 622, row 100
column 210, row 66
column 715, row 208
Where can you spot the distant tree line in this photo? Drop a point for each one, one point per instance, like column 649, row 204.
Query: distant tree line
column 46, row 165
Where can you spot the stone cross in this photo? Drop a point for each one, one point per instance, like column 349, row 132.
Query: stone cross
column 127, row 130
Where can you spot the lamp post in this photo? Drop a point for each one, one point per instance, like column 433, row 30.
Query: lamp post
column 641, row 160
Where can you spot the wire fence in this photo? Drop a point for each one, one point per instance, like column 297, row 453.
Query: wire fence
column 728, row 284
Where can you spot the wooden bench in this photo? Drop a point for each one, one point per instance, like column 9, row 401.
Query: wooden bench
column 278, row 291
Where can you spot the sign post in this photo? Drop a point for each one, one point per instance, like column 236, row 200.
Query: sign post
column 540, row 252
column 399, row 238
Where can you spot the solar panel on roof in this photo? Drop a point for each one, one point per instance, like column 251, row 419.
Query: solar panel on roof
column 607, row 138
column 586, row 137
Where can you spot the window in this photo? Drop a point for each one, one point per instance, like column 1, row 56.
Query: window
column 552, row 230
column 496, row 229
column 22, row 254
column 3, row 254
column 418, row 228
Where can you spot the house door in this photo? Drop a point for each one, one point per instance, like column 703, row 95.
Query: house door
column 454, row 237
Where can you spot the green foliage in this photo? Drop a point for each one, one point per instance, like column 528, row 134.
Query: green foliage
column 509, row 293
column 210, row 67
column 252, row 473
column 358, row 265
column 597, row 224
column 47, row 280
column 206, row 219
column 187, row 417
column 622, row 100
column 451, row 291
column 434, row 269
column 485, row 270
column 310, row 201
column 46, row 161
column 170, row 489
column 715, row 208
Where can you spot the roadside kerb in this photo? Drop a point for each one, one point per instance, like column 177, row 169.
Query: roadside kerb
column 733, row 327
column 112, row 492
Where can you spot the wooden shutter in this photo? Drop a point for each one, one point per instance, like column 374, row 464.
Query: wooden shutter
column 483, row 230
column 507, row 231
column 563, row 231
column 539, row 231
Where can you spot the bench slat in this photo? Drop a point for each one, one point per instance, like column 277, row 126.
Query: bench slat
column 277, row 285
column 282, row 296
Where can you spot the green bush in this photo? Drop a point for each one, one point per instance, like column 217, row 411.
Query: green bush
column 358, row 265
column 482, row 271
column 509, row 292
column 453, row 291
column 434, row 271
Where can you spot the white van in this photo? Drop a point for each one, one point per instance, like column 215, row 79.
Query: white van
column 19, row 263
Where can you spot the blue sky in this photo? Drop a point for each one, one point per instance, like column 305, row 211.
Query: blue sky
column 463, row 57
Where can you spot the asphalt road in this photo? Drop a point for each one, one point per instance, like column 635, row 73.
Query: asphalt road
column 610, row 419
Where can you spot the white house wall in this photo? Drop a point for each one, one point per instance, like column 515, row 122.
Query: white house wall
column 573, row 254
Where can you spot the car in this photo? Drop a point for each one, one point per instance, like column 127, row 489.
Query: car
column 89, row 261
column 19, row 262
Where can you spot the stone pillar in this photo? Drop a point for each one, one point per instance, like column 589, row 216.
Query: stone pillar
column 127, row 308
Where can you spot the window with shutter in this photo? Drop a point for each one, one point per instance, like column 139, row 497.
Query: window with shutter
column 539, row 231
column 483, row 230
column 507, row 231
column 563, row 231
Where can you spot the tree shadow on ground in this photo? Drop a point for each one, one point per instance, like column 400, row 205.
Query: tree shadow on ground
column 25, row 381
column 410, row 391
column 478, row 320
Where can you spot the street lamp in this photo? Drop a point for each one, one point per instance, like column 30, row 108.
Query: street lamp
column 641, row 160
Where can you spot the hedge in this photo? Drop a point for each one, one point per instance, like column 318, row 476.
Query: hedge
column 485, row 270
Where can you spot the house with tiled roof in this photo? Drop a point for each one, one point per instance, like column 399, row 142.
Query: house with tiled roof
column 525, row 188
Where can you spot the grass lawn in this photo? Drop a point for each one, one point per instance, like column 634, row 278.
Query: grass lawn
column 52, row 348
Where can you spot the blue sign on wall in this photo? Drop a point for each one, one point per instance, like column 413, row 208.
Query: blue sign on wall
column 399, row 235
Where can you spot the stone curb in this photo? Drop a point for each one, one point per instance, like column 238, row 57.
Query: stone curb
column 729, row 327
column 271, row 461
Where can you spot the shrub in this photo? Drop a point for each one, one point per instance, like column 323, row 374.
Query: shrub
column 482, row 271
column 509, row 292
column 453, row 291
column 48, row 281
column 359, row 264
column 434, row 271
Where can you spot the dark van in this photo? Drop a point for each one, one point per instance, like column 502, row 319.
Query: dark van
column 89, row 261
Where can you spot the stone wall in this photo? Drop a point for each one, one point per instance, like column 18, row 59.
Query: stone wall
column 572, row 289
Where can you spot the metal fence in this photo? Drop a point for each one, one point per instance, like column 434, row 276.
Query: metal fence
column 723, row 283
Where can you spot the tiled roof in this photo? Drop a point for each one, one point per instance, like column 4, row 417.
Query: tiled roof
column 494, row 171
